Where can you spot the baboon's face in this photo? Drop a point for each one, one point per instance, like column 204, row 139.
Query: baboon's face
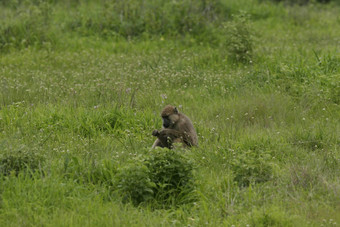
column 169, row 116
column 166, row 122
column 170, row 121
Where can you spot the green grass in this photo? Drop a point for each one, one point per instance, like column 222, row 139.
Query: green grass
column 80, row 94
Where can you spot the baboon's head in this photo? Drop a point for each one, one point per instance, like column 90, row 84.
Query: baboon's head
column 169, row 116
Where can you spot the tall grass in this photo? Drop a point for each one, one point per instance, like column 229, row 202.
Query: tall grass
column 82, row 84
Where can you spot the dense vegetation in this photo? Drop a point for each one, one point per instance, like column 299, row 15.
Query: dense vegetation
column 82, row 83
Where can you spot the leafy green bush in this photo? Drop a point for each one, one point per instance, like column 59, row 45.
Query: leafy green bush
column 239, row 39
column 172, row 174
column 134, row 184
column 164, row 177
column 16, row 161
column 131, row 181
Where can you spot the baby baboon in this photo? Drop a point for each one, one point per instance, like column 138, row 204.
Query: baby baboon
column 177, row 128
column 167, row 137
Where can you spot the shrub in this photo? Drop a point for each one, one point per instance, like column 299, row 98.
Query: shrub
column 239, row 39
column 134, row 184
column 164, row 177
column 172, row 174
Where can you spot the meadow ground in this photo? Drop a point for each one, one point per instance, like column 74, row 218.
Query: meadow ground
column 82, row 85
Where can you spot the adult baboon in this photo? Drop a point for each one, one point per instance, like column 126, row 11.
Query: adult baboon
column 177, row 128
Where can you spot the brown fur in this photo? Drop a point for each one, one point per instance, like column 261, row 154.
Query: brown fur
column 179, row 130
column 168, row 137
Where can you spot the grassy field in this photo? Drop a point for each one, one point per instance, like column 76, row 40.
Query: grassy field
column 82, row 84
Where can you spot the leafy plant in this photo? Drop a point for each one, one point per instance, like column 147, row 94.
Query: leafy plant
column 164, row 177
column 172, row 174
column 134, row 184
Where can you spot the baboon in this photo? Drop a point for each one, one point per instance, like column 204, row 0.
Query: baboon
column 167, row 137
column 177, row 128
